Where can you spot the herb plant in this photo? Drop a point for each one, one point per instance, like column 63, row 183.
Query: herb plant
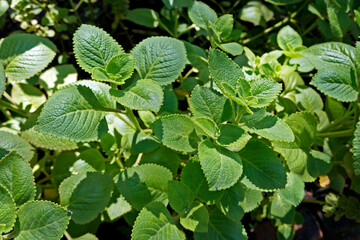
column 117, row 146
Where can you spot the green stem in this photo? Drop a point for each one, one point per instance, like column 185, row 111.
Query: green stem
column 165, row 28
column 187, row 74
column 342, row 133
column 138, row 160
column 337, row 121
column 9, row 236
column 309, row 29
column 14, row 108
column 233, row 110
column 67, row 235
column 75, row 11
column 119, row 163
column 313, row 201
column 240, row 113
column 175, row 23
column 187, row 29
column 133, row 119
column 78, row 5
column 125, row 121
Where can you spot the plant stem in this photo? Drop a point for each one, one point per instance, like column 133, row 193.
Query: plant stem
column 14, row 108
column 187, row 29
column 75, row 11
column 175, row 22
column 125, row 121
column 138, row 160
column 342, row 133
column 337, row 121
column 67, row 235
column 165, row 28
column 78, row 5
column 133, row 119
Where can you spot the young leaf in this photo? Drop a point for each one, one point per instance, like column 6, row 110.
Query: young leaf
column 16, row 176
column 7, row 210
column 86, row 196
column 45, row 220
column 268, row 126
column 144, row 17
column 180, row 196
column 262, row 167
column 201, row 14
column 176, row 132
column 337, row 82
column 23, row 59
column 206, row 102
column 93, row 47
column 220, row 227
column 285, row 232
column 266, row 91
column 77, row 112
column 10, row 142
column 223, row 69
column 160, row 59
column 231, row 203
column 207, row 126
column 154, row 222
column 144, row 95
column 294, row 191
column 308, row 99
column 288, row 39
column 232, row 48
column 221, row 167
column 193, row 176
column 233, row 136
column 196, row 218
column 143, row 184
column 121, row 67
column 224, row 26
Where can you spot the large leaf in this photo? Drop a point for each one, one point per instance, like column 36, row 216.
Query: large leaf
column 294, row 191
column 337, row 82
column 16, row 176
column 231, row 202
column 77, row 112
column 154, row 222
column 308, row 99
column 10, row 142
column 93, row 47
column 42, row 219
column 7, row 210
column 143, row 184
column 23, row 59
column 144, row 95
column 221, row 166
column 262, row 167
column 180, row 196
column 206, row 102
column 27, row 96
column 86, row 195
column 160, row 59
column 201, row 14
column 176, row 132
column 165, row 157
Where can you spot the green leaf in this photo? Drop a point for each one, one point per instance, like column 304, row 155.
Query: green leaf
column 232, row 48
column 288, row 39
column 10, row 142
column 221, row 167
column 285, row 232
column 233, row 136
column 220, row 227
column 87, row 236
column 337, row 82
column 223, row 69
column 252, row 199
column 356, row 149
column 231, row 203
column 121, row 67
column 93, row 47
column 256, row 13
column 89, row 160
column 4, row 6
column 88, row 197
column 266, row 91
column 7, row 210
column 77, row 112
column 177, row 3
column 23, row 59
column 164, row 157
column 56, row 77
column 142, row 142
column 180, row 196
column 308, row 99
column 201, row 14
column 334, row 108
column 262, row 167
column 176, row 132
column 207, row 126
column 2, row 80
column 206, row 102
column 16, row 176
column 118, row 206
column 143, row 95
column 161, row 59
column 224, row 25
column 154, row 222
column 45, row 220
column 331, row 54
column 283, row 2
column 357, row 17
column 27, row 96
column 268, row 126
column 196, row 218
column 144, row 17
column 193, row 176
column 294, row 191
column 279, row 208
column 143, row 184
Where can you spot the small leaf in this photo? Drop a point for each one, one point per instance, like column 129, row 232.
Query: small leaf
column 196, row 218
column 224, row 25
column 141, row 142
column 180, row 196
column 285, row 232
column 42, row 219
column 294, row 191
column 232, row 48
column 118, row 206
column 231, row 203
column 176, row 132
column 262, row 167
column 265, row 91
column 144, row 17
column 177, row 3
column 207, row 126
column 27, row 96
column 93, row 47
column 154, row 222
column 10, row 142
column 88, row 197
column 221, row 167
column 77, row 112
column 279, row 208
column 160, row 59
column 308, row 99
column 121, row 67
column 206, row 102
column 337, row 82
column 288, row 39
column 201, row 14
column 143, row 184
column 7, row 210
column 144, row 95
column 23, row 59
column 16, row 176
column 4, row 6
column 233, row 136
